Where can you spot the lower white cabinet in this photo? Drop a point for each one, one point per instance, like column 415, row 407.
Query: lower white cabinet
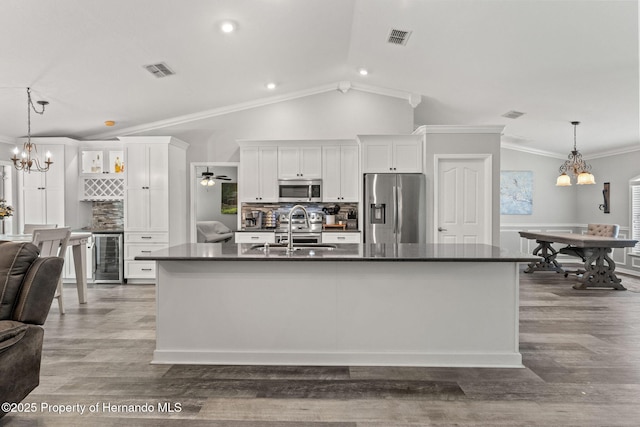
column 340, row 237
column 69, row 268
column 142, row 244
column 140, row 269
column 255, row 237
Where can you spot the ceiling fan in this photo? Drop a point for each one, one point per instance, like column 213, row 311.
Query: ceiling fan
column 208, row 178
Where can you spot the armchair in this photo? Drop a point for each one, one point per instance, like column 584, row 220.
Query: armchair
column 212, row 232
column 27, row 286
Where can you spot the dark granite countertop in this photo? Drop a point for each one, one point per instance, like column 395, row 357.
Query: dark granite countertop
column 342, row 252
column 101, row 230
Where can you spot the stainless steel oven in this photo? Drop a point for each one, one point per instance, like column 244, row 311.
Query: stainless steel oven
column 299, row 190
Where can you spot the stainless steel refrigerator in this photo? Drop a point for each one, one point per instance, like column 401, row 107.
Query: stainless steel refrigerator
column 394, row 208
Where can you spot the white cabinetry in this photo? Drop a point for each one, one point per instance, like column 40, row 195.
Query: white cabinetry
column 42, row 193
column 340, row 173
column 257, row 237
column 258, row 174
column 340, row 237
column 299, row 162
column 155, row 204
column 391, row 154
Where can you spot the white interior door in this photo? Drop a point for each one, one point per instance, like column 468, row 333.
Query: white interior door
column 463, row 197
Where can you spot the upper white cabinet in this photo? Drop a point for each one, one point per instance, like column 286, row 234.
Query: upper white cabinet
column 42, row 194
column 340, row 173
column 258, row 174
column 391, row 154
column 147, row 194
column 101, row 161
column 299, row 162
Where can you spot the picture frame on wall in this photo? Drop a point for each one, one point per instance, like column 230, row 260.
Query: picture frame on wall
column 229, row 205
column 516, row 192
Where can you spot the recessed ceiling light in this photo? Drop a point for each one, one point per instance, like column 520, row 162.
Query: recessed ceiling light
column 109, row 123
column 363, row 71
column 228, row 27
column 271, row 86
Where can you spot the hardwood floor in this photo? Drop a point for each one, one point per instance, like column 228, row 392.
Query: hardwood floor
column 581, row 352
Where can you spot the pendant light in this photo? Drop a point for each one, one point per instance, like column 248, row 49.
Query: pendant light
column 28, row 160
column 576, row 166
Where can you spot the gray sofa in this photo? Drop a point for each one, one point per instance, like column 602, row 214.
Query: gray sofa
column 213, row 232
column 27, row 286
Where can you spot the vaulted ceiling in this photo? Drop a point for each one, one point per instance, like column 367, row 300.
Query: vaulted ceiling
column 470, row 60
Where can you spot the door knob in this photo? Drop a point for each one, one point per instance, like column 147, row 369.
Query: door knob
column 442, row 229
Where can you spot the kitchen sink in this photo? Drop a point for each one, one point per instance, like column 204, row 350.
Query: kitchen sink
column 307, row 246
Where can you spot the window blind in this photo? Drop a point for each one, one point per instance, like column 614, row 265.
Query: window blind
column 635, row 215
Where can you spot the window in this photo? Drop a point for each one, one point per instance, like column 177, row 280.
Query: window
column 635, row 212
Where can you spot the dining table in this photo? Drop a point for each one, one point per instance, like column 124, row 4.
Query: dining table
column 77, row 242
column 599, row 267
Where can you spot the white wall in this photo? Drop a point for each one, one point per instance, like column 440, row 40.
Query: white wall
column 467, row 143
column 329, row 115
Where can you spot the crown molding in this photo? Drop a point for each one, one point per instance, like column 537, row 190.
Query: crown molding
column 340, row 86
column 7, row 140
column 597, row 155
column 515, row 147
column 431, row 129
column 613, row 152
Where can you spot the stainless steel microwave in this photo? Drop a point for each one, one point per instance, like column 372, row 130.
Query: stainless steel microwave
column 297, row 190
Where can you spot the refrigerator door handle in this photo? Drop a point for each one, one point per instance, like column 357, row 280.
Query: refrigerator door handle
column 395, row 209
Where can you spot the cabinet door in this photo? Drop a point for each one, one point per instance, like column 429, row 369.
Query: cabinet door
column 349, row 175
column 407, row 156
column 136, row 170
column 310, row 161
column 377, row 157
column 158, row 200
column 249, row 174
column 269, row 174
column 157, row 167
column 34, row 205
column 331, row 174
column 288, row 163
column 54, row 206
column 136, row 209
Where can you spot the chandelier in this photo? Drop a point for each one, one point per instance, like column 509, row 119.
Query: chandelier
column 28, row 160
column 576, row 166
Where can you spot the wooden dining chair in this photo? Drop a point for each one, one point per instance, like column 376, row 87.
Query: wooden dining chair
column 28, row 228
column 53, row 242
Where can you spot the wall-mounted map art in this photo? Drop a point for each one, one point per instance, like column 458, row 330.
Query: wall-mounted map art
column 516, row 192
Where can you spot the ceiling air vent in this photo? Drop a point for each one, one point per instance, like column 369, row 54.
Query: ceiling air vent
column 398, row 36
column 159, row 70
column 512, row 114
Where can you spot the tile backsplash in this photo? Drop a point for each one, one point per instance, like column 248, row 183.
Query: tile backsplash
column 107, row 215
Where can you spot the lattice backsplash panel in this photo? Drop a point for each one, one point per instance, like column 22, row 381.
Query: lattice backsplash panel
column 103, row 189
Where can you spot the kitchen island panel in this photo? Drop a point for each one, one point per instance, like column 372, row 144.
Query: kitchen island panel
column 336, row 313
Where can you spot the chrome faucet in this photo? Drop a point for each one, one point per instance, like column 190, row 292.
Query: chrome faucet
column 306, row 218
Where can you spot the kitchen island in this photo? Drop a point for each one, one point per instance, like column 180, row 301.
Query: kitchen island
column 352, row 304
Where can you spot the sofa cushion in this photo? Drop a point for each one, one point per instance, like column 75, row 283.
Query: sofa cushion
column 15, row 260
column 10, row 333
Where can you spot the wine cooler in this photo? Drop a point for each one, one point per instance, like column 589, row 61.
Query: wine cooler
column 107, row 258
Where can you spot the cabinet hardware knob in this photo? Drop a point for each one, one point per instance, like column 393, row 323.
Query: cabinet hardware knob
column 145, row 237
column 146, row 269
